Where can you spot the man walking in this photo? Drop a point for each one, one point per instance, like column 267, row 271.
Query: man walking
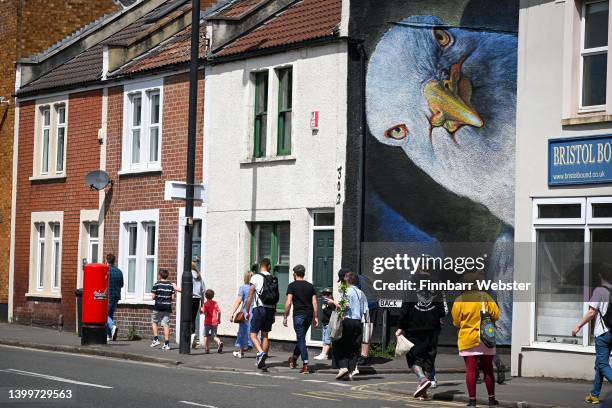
column 264, row 291
column 115, row 283
column 598, row 308
column 303, row 297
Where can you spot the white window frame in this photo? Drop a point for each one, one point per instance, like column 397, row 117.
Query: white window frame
column 588, row 52
column 51, row 285
column 91, row 241
column 52, row 171
column 56, row 259
column 141, row 218
column 145, row 90
column 587, row 223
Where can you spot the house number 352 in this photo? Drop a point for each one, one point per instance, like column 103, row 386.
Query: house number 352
column 339, row 186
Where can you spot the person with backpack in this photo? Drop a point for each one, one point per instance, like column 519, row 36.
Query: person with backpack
column 264, row 292
column 600, row 313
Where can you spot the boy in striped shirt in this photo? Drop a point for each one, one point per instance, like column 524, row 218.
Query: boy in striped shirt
column 163, row 293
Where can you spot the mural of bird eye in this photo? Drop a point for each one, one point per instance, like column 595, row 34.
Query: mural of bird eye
column 455, row 91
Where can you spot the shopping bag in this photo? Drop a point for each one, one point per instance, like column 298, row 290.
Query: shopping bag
column 402, row 346
column 335, row 326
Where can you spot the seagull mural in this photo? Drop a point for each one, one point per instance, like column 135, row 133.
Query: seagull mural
column 447, row 97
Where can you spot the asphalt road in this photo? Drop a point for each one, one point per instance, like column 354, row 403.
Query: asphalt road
column 101, row 382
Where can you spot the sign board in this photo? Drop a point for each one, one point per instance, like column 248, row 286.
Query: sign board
column 581, row 160
column 389, row 303
column 314, row 120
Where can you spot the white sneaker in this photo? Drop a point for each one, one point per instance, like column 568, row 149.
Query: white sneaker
column 238, row 354
column 434, row 384
column 355, row 372
column 155, row 343
column 321, row 357
column 166, row 347
column 342, row 373
column 114, row 332
column 108, row 338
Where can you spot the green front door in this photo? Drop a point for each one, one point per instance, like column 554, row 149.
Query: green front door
column 322, row 268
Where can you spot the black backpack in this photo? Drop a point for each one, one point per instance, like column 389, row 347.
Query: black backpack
column 269, row 292
column 607, row 318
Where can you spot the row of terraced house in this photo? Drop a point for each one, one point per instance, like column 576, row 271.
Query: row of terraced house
column 323, row 126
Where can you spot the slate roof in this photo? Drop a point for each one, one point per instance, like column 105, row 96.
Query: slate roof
column 302, row 21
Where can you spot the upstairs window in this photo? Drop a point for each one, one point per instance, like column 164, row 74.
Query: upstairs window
column 50, row 141
column 594, row 54
column 261, row 114
column 142, row 127
column 285, row 95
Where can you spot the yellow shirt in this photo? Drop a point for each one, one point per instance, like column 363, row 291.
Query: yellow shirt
column 466, row 317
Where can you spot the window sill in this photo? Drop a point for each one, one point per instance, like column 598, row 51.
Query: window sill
column 48, row 178
column 268, row 159
column 129, row 172
column 136, row 302
column 587, row 118
column 46, row 295
column 559, row 347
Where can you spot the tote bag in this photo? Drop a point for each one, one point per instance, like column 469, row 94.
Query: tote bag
column 402, row 346
column 335, row 326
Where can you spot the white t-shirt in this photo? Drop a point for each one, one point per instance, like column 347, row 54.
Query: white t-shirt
column 258, row 281
column 599, row 301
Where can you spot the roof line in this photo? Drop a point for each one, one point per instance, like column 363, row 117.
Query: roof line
column 276, row 49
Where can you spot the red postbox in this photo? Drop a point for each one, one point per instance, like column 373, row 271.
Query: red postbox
column 95, row 303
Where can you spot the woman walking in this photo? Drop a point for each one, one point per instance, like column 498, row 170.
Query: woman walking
column 467, row 311
column 353, row 306
column 243, row 342
column 196, row 301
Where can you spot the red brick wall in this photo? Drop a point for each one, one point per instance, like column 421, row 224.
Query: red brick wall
column 70, row 196
column 28, row 27
column 146, row 191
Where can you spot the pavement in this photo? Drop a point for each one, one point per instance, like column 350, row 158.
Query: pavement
column 382, row 383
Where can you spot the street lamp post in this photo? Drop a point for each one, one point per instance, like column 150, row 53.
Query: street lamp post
column 187, row 281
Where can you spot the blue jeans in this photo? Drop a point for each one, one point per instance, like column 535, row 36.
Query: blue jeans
column 112, row 306
column 301, row 324
column 603, row 344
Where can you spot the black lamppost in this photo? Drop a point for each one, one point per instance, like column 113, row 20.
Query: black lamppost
column 186, row 281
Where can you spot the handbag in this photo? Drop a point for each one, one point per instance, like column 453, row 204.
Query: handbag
column 335, row 326
column 487, row 327
column 368, row 328
column 403, row 346
column 239, row 317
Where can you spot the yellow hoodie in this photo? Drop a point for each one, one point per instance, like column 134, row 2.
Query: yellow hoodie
column 466, row 317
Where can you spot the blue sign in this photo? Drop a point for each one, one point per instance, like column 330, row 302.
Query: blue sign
column 584, row 160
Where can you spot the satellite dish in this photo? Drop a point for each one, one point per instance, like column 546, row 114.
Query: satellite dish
column 97, row 179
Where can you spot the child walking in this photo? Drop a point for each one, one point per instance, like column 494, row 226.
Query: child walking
column 163, row 293
column 212, row 319
column 328, row 307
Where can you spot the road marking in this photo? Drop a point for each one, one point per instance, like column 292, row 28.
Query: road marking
column 231, row 385
column 315, row 381
column 282, row 377
column 195, row 404
column 54, row 378
column 315, row 396
column 338, row 384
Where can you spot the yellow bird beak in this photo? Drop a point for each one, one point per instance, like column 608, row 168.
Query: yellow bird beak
column 449, row 101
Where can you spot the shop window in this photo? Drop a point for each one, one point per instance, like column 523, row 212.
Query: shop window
column 271, row 240
column 569, row 252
